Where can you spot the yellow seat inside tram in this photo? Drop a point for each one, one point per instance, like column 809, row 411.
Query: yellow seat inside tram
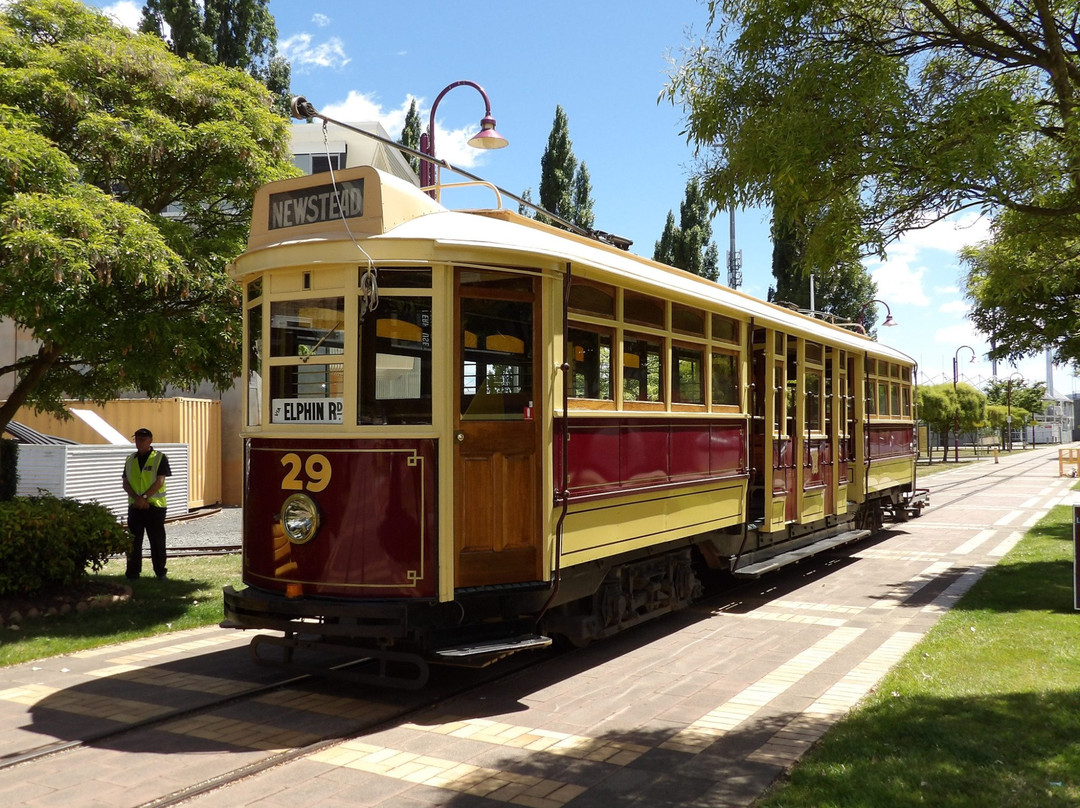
column 392, row 328
column 504, row 343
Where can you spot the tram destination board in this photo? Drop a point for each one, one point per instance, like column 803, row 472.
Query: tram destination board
column 322, row 203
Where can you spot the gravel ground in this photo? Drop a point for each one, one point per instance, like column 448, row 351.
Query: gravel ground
column 214, row 528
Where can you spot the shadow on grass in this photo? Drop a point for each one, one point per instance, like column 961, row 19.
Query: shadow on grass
column 152, row 604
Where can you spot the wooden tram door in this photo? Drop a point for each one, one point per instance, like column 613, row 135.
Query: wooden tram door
column 497, row 484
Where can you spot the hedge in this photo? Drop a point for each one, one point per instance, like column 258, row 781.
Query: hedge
column 46, row 541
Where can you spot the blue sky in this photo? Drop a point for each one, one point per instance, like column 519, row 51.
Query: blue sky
column 605, row 62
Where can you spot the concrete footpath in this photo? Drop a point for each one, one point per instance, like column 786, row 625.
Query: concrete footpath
column 704, row 708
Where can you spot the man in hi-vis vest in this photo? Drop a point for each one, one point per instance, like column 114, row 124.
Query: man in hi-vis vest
column 144, row 481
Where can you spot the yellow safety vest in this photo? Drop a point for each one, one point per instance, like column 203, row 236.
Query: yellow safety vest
column 141, row 479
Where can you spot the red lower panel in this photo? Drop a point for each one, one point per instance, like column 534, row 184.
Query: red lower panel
column 612, row 456
column 377, row 502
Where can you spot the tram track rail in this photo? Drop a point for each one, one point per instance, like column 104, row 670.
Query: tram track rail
column 417, row 703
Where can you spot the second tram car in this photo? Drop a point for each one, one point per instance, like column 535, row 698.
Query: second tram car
column 468, row 432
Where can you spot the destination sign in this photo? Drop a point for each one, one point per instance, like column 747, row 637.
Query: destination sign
column 314, row 205
column 307, row 411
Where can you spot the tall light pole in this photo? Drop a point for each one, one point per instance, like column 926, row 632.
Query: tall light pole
column 889, row 321
column 486, row 138
column 956, row 415
column 1008, row 402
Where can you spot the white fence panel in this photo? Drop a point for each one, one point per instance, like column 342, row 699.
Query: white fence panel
column 92, row 473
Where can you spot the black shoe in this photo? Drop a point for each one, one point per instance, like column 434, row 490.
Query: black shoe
column 161, row 577
column 132, row 577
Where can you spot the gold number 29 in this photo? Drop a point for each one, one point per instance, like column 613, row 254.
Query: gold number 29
column 316, row 470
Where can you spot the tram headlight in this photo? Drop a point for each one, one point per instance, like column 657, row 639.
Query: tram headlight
column 300, row 518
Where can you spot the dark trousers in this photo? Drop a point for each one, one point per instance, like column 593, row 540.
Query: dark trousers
column 150, row 521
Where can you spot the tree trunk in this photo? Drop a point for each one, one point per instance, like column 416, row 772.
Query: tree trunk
column 46, row 357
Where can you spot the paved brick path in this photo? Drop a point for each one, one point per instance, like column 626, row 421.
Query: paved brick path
column 705, row 708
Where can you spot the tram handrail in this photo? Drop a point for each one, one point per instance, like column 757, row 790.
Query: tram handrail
column 470, row 184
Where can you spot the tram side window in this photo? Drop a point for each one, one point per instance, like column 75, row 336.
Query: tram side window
column 497, row 357
column 725, row 379
column 814, row 401
column 590, row 364
column 310, row 389
column 643, row 369
column 688, row 378
column 395, row 362
column 597, row 299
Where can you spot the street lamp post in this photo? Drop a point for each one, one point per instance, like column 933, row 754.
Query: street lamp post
column 956, row 415
column 889, row 321
column 1008, row 402
column 486, row 138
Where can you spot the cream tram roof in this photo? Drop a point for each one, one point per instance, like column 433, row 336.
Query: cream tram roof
column 381, row 208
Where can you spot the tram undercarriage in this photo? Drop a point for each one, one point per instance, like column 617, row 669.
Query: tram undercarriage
column 398, row 642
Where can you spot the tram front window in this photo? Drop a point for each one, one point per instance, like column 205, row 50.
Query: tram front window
column 307, row 380
column 395, row 362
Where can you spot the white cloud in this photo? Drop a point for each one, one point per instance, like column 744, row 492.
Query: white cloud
column 304, row 55
column 960, row 334
column 955, row 307
column 356, row 107
column 899, row 282
column 321, row 20
column 451, row 145
column 949, row 235
column 902, row 276
column 126, row 12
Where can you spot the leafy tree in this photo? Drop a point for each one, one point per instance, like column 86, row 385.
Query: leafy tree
column 710, row 266
column 410, row 135
column 842, row 289
column 1020, row 394
column 695, row 229
column 878, row 117
column 689, row 246
column 583, row 201
column 557, row 168
column 104, row 130
column 230, row 33
column 525, row 209
column 664, row 251
column 938, row 408
column 972, row 404
column 1024, row 285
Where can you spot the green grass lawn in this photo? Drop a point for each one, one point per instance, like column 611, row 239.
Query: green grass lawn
column 983, row 713
column 190, row 597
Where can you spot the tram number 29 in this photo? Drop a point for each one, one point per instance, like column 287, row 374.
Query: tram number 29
column 312, row 474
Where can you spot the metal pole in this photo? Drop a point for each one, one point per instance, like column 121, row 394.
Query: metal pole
column 956, row 414
column 1008, row 418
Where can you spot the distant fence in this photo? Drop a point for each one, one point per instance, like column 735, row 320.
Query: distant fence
column 94, row 473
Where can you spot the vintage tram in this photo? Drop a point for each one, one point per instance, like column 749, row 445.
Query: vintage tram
column 468, row 432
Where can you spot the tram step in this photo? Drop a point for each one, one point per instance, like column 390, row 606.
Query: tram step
column 500, row 646
column 776, row 562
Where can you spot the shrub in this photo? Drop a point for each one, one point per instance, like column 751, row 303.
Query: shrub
column 46, row 541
